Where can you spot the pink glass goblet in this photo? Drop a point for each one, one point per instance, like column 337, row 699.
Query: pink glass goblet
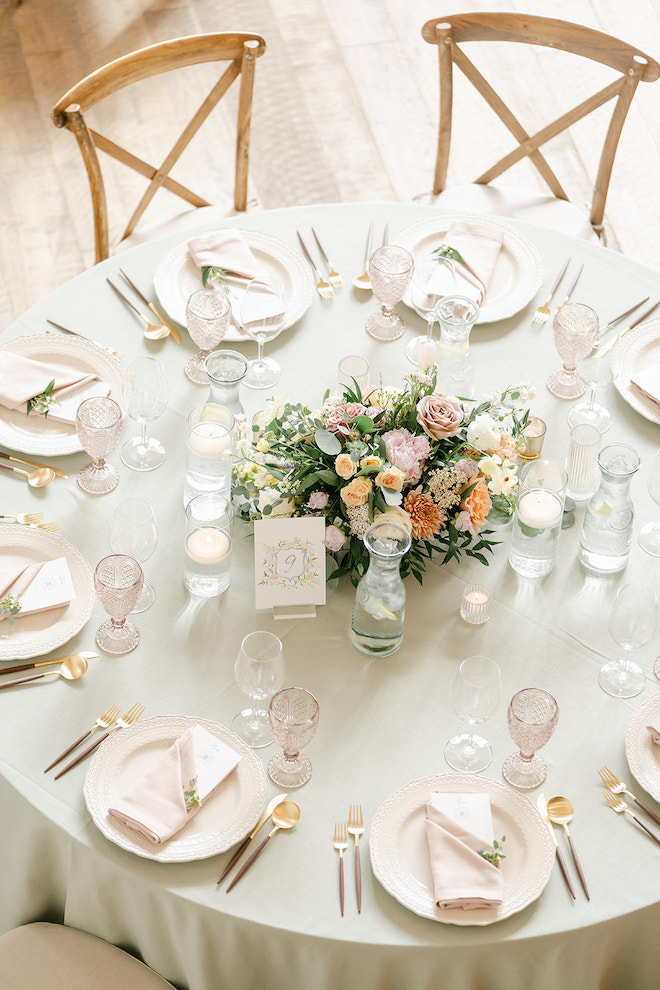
column 294, row 715
column 118, row 581
column 208, row 312
column 574, row 328
column 98, row 425
column 532, row 718
column 390, row 272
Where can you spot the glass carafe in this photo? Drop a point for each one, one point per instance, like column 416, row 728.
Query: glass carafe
column 608, row 523
column 225, row 371
column 380, row 598
column 456, row 316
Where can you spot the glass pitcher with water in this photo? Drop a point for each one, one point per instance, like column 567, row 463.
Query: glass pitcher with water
column 608, row 523
column 380, row 598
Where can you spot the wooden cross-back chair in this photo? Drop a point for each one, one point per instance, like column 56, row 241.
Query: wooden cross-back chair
column 239, row 49
column 450, row 33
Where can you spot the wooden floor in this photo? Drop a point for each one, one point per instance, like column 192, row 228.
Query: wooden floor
column 345, row 109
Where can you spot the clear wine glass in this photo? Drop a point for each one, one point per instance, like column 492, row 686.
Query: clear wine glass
column 475, row 698
column 294, row 715
column 118, row 582
column 148, row 402
column 649, row 534
column 596, row 370
column 532, row 717
column 390, row 272
column 98, row 426
column 207, row 318
column 133, row 531
column 259, row 672
column 574, row 328
column 263, row 315
column 425, row 294
column 632, row 621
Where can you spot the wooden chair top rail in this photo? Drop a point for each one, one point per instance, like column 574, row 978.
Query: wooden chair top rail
column 163, row 57
column 546, row 31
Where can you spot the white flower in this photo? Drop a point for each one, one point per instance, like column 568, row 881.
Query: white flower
column 483, row 433
column 262, row 446
column 269, row 496
column 502, row 475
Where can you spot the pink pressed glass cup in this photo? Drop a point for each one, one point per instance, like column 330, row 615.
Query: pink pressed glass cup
column 118, row 581
column 294, row 715
column 532, row 718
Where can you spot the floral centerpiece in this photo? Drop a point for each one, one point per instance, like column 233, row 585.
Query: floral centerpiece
column 436, row 464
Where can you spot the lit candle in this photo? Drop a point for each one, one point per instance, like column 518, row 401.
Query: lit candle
column 475, row 604
column 539, row 509
column 209, row 440
column 476, row 597
column 533, row 434
column 208, row 545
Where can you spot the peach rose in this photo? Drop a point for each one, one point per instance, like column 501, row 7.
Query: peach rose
column 440, row 415
column 396, row 514
column 477, row 505
column 345, row 466
column 392, row 478
column 356, row 492
column 371, row 460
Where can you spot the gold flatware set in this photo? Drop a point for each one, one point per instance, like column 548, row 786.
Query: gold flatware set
column 615, row 788
column 122, row 722
column 33, row 519
column 72, row 668
column 284, row 816
column 152, row 331
column 354, row 826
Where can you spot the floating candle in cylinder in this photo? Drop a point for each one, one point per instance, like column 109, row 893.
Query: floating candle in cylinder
column 210, row 440
column 539, row 509
column 208, row 545
column 208, row 542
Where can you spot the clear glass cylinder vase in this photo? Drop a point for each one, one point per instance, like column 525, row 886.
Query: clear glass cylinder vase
column 607, row 529
column 225, row 371
column 380, row 597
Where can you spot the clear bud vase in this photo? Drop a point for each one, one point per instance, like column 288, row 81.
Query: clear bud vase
column 225, row 371
column 456, row 316
column 607, row 529
column 380, row 597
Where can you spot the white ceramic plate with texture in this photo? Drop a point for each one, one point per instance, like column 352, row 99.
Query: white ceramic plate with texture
column 400, row 858
column 643, row 754
column 34, row 635
column 518, row 273
column 177, row 277
column 636, row 350
column 226, row 817
column 38, row 434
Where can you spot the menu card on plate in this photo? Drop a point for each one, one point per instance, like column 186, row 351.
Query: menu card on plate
column 52, row 587
column 289, row 565
column 471, row 811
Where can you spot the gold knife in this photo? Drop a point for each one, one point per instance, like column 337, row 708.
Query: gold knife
column 244, row 844
column 640, row 319
column 173, row 330
column 542, row 806
column 34, row 464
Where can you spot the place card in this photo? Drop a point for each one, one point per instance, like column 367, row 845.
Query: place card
column 51, row 588
column 214, row 761
column 289, row 565
column 471, row 811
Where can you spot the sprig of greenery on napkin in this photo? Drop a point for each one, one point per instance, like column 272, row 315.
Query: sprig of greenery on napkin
column 43, row 401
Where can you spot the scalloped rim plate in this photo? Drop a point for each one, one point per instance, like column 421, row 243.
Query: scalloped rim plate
column 177, row 277
column 518, row 273
column 642, row 753
column 45, row 436
column 633, row 351
column 34, row 635
column 399, row 853
column 227, row 816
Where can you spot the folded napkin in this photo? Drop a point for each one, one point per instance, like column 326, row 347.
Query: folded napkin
column 461, row 877
column 654, row 729
column 172, row 791
column 39, row 587
column 227, row 249
column 648, row 382
column 21, row 378
column 479, row 247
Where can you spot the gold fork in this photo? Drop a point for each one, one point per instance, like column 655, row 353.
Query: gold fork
column 333, row 276
column 131, row 716
column 104, row 721
column 50, row 527
column 323, row 288
column 25, row 518
column 340, row 843
column 356, row 828
column 618, row 805
column 542, row 314
column 617, row 786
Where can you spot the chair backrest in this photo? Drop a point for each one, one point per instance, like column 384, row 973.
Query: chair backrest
column 449, row 33
column 239, row 49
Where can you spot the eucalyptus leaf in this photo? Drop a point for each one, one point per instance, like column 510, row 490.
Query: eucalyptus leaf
column 392, row 497
column 327, row 442
column 365, row 424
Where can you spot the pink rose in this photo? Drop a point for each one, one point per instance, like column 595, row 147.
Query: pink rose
column 344, row 414
column 318, row 500
column 334, row 538
column 406, row 452
column 440, row 415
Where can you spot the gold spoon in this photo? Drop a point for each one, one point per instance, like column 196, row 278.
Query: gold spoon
column 560, row 811
column 72, row 668
column 73, row 657
column 36, row 479
column 152, row 331
column 285, row 815
column 363, row 281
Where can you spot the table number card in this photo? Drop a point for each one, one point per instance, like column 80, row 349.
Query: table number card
column 289, row 566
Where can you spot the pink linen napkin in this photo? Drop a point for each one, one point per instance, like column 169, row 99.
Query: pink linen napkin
column 654, row 729
column 21, row 378
column 17, row 578
column 171, row 792
column 647, row 381
column 461, row 877
column 479, row 246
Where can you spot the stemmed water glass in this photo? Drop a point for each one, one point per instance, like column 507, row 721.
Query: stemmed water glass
column 207, row 319
column 133, row 531
column 259, row 672
column 294, row 715
column 424, row 297
column 98, row 426
column 532, row 717
column 649, row 534
column 574, row 328
column 632, row 621
column 118, row 582
column 148, row 402
column 263, row 315
column 475, row 697
column 390, row 272
column 596, row 370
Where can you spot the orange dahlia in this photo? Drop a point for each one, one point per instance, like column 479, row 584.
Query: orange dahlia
column 426, row 517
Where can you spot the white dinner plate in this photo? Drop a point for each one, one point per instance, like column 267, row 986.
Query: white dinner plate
column 39, row 434
column 518, row 272
column 177, row 277
column 224, row 819
column 643, row 754
column 400, row 857
column 636, row 350
column 34, row 635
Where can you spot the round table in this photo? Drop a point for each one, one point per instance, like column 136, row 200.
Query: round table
column 383, row 723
